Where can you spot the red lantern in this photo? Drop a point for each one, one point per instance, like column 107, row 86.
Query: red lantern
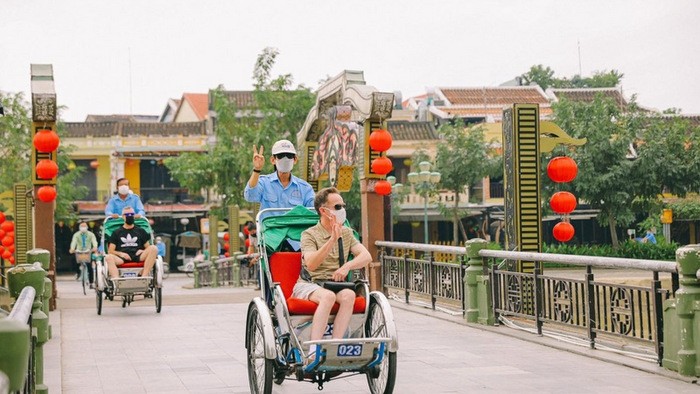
column 245, row 230
column 563, row 202
column 382, row 188
column 12, row 260
column 382, row 165
column 94, row 164
column 562, row 169
column 11, row 248
column 6, row 255
column 227, row 246
column 8, row 226
column 46, row 141
column 7, row 241
column 2, row 249
column 380, row 140
column 46, row 193
column 563, row 231
column 2, row 234
column 226, row 254
column 2, row 217
column 46, row 169
column 226, row 236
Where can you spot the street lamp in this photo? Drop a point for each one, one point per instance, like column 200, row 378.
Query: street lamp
column 396, row 189
column 424, row 182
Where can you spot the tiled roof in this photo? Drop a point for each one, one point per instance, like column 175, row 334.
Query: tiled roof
column 241, row 98
column 495, row 96
column 199, row 103
column 411, row 131
column 481, row 112
column 121, row 118
column 589, row 94
column 108, row 129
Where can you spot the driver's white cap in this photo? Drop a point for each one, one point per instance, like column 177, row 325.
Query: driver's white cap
column 283, row 146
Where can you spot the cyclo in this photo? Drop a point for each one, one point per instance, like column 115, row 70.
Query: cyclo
column 278, row 326
column 128, row 284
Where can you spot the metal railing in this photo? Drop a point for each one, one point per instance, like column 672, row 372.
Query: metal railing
column 631, row 312
column 440, row 281
column 22, row 312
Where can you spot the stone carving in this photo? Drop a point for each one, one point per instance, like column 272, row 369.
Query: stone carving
column 44, row 107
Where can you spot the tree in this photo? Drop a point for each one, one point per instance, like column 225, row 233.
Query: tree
column 544, row 77
column 278, row 112
column 15, row 156
column 467, row 147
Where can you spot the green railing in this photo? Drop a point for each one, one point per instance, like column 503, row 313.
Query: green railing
column 17, row 345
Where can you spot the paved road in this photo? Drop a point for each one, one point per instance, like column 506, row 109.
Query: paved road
column 196, row 346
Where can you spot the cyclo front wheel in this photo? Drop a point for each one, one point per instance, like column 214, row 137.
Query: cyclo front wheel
column 260, row 369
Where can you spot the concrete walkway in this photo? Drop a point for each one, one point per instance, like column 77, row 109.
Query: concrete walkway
column 196, row 346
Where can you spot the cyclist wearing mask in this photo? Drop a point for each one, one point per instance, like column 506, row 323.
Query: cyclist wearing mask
column 124, row 198
column 279, row 189
column 83, row 240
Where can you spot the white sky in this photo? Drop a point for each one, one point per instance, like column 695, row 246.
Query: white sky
column 181, row 46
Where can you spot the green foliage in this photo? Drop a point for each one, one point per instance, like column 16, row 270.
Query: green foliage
column 544, row 77
column 687, row 209
column 629, row 249
column 15, row 156
column 278, row 112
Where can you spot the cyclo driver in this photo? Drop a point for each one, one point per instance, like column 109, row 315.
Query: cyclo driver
column 130, row 243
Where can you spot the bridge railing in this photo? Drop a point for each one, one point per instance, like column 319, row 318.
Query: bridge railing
column 18, row 345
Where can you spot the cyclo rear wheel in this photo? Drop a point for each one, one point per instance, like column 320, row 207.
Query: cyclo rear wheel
column 260, row 369
column 383, row 379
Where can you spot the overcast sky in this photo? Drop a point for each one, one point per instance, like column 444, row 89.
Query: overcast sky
column 130, row 56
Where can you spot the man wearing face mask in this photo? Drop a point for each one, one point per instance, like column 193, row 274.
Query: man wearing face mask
column 279, row 189
column 83, row 240
column 124, row 198
column 320, row 259
column 130, row 243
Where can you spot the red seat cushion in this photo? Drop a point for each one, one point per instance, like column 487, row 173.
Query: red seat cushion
column 285, row 268
column 131, row 264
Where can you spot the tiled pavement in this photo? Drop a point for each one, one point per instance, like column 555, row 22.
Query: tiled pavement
column 196, row 346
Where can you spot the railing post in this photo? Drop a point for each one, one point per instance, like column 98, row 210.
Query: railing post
column 195, row 273
column 33, row 275
column 590, row 302
column 473, row 271
column 658, row 317
column 688, row 309
column 538, row 301
column 494, row 276
column 405, row 276
column 236, row 271
column 431, row 277
column 214, row 272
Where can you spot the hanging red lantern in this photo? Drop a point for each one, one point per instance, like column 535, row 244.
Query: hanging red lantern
column 12, row 260
column 226, row 236
column 11, row 248
column 94, row 164
column 382, row 188
column 46, row 141
column 2, row 249
column 46, row 169
column 563, row 231
column 2, row 217
column 563, row 202
column 7, row 226
column 227, row 246
column 46, row 193
column 562, row 169
column 3, row 233
column 382, row 165
column 226, row 254
column 6, row 255
column 380, row 140
column 7, row 241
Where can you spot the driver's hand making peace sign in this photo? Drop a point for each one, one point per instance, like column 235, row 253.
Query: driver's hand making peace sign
column 258, row 158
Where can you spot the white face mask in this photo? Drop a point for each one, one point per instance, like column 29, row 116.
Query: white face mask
column 83, row 229
column 340, row 215
column 123, row 190
column 284, row 164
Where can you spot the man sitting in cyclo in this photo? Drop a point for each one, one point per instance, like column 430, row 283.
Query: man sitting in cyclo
column 130, row 243
column 321, row 262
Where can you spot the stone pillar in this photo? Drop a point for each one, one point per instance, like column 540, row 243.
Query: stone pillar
column 688, row 309
column 473, row 271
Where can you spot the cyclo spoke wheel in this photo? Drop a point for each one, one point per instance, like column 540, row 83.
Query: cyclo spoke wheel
column 99, row 302
column 375, row 327
column 158, row 295
column 260, row 369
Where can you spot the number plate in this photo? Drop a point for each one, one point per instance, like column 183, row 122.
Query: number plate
column 353, row 350
column 129, row 275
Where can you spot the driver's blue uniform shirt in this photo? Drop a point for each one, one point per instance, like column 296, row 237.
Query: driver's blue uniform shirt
column 270, row 193
column 116, row 205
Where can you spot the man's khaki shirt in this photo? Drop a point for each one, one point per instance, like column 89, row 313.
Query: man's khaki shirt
column 314, row 238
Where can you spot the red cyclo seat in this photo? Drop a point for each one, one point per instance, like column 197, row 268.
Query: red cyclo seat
column 131, row 264
column 285, row 268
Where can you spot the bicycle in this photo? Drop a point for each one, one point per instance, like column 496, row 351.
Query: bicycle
column 84, row 258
